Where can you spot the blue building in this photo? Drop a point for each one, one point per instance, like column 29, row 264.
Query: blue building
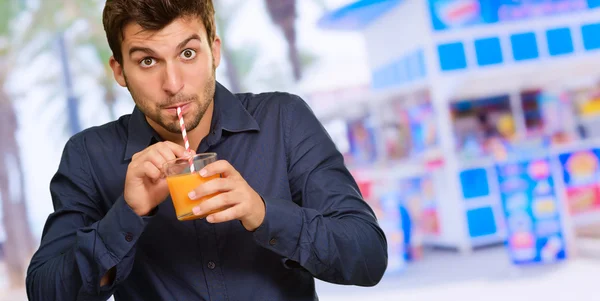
column 515, row 62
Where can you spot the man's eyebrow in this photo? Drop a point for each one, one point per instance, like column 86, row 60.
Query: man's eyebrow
column 151, row 52
column 184, row 42
column 141, row 49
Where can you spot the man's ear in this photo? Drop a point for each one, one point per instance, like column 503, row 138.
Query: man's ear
column 216, row 51
column 117, row 71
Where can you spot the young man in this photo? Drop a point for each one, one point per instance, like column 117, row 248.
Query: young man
column 294, row 211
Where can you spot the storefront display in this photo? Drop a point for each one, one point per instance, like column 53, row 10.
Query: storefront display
column 362, row 139
column 483, row 127
column 430, row 223
column 586, row 102
column 391, row 221
column 424, row 131
column 581, row 175
column 419, row 212
column 408, row 127
column 452, row 14
column 386, row 206
column 532, row 210
column 396, row 130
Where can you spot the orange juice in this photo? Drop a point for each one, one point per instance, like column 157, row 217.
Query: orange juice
column 179, row 187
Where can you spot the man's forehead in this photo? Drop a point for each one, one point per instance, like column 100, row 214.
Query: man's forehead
column 179, row 28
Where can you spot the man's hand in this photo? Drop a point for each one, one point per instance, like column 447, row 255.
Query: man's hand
column 145, row 182
column 237, row 199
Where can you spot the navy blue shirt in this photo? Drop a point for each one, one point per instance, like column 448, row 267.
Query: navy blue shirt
column 316, row 223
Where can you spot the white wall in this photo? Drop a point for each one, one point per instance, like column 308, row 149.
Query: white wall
column 405, row 28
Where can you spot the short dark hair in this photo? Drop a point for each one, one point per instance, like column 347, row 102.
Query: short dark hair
column 152, row 15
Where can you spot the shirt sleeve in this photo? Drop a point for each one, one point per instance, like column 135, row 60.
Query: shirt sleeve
column 328, row 229
column 80, row 242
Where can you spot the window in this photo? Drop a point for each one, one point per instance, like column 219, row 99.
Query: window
column 559, row 41
column 524, row 46
column 489, row 51
column 452, row 56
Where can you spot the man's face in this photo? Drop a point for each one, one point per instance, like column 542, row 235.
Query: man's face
column 170, row 68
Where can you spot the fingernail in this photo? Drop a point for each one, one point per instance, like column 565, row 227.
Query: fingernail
column 192, row 195
column 210, row 219
column 203, row 173
column 196, row 210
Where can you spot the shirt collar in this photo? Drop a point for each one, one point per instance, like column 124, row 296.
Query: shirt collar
column 229, row 115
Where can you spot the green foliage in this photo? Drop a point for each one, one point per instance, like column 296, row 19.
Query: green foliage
column 8, row 9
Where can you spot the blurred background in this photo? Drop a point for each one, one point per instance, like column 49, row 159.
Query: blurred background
column 471, row 126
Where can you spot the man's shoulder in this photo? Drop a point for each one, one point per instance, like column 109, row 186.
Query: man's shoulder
column 270, row 101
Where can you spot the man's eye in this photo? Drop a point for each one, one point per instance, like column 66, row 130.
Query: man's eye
column 147, row 62
column 188, row 54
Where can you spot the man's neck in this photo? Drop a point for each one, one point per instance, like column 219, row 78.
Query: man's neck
column 195, row 136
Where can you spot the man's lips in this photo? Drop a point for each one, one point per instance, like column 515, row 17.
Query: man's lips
column 173, row 108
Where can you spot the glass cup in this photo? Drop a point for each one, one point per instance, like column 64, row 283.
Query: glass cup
column 181, row 182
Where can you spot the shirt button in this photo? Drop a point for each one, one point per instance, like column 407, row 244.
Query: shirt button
column 128, row 237
column 273, row 241
column 211, row 265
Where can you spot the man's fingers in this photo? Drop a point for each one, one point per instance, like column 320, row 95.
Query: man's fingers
column 169, row 149
column 148, row 169
column 211, row 187
column 217, row 202
column 155, row 157
column 220, row 167
column 166, row 153
column 178, row 150
column 226, row 215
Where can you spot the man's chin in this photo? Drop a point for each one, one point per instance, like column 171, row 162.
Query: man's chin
column 175, row 128
column 172, row 128
column 171, row 123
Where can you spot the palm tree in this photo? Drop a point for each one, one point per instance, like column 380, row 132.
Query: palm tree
column 89, row 11
column 19, row 244
column 239, row 61
column 283, row 14
column 224, row 16
column 18, row 235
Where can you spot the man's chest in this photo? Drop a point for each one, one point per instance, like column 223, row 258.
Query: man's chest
column 261, row 160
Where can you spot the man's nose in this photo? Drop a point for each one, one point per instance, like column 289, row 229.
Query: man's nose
column 173, row 81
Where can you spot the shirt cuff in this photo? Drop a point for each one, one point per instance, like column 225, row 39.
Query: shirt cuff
column 281, row 227
column 121, row 228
